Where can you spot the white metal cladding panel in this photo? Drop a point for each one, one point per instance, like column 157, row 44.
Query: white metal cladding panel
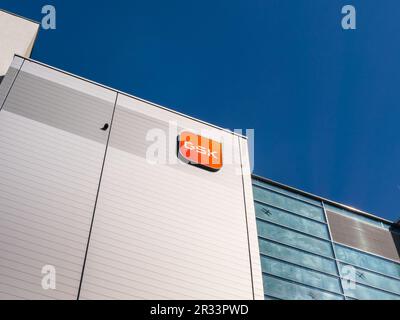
column 251, row 222
column 17, row 37
column 165, row 231
column 51, row 156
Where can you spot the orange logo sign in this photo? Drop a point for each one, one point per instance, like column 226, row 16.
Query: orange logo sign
column 200, row 151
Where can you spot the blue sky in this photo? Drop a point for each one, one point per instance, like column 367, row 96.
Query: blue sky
column 324, row 102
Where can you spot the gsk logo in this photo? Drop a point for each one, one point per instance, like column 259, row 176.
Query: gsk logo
column 200, row 151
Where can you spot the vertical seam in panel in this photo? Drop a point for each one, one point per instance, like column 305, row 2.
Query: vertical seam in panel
column 247, row 224
column 333, row 250
column 97, row 197
column 12, row 84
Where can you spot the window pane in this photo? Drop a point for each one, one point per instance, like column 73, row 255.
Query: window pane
column 297, row 206
column 361, row 292
column 375, row 280
column 290, row 291
column 368, row 261
column 284, row 191
column 294, row 239
column 297, row 256
column 270, row 298
column 298, row 274
column 287, row 219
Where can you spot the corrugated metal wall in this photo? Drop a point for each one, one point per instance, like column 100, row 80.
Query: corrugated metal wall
column 166, row 231
column 50, row 162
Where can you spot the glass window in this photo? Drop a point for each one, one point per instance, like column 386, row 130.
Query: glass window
column 375, row 280
column 270, row 298
column 284, row 191
column 294, row 205
column 296, row 256
column 290, row 291
column 367, row 261
column 299, row 274
column 294, row 239
column 361, row 292
column 292, row 221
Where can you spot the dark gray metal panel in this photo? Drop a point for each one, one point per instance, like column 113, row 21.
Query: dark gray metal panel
column 363, row 236
column 65, row 108
column 52, row 152
column 7, row 81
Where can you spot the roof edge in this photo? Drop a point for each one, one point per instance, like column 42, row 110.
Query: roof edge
column 134, row 97
column 19, row 16
column 327, row 201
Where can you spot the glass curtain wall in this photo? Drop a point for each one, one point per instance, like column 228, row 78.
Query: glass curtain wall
column 299, row 259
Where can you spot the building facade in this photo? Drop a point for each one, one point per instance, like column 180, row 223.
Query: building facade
column 106, row 196
column 91, row 185
column 312, row 248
